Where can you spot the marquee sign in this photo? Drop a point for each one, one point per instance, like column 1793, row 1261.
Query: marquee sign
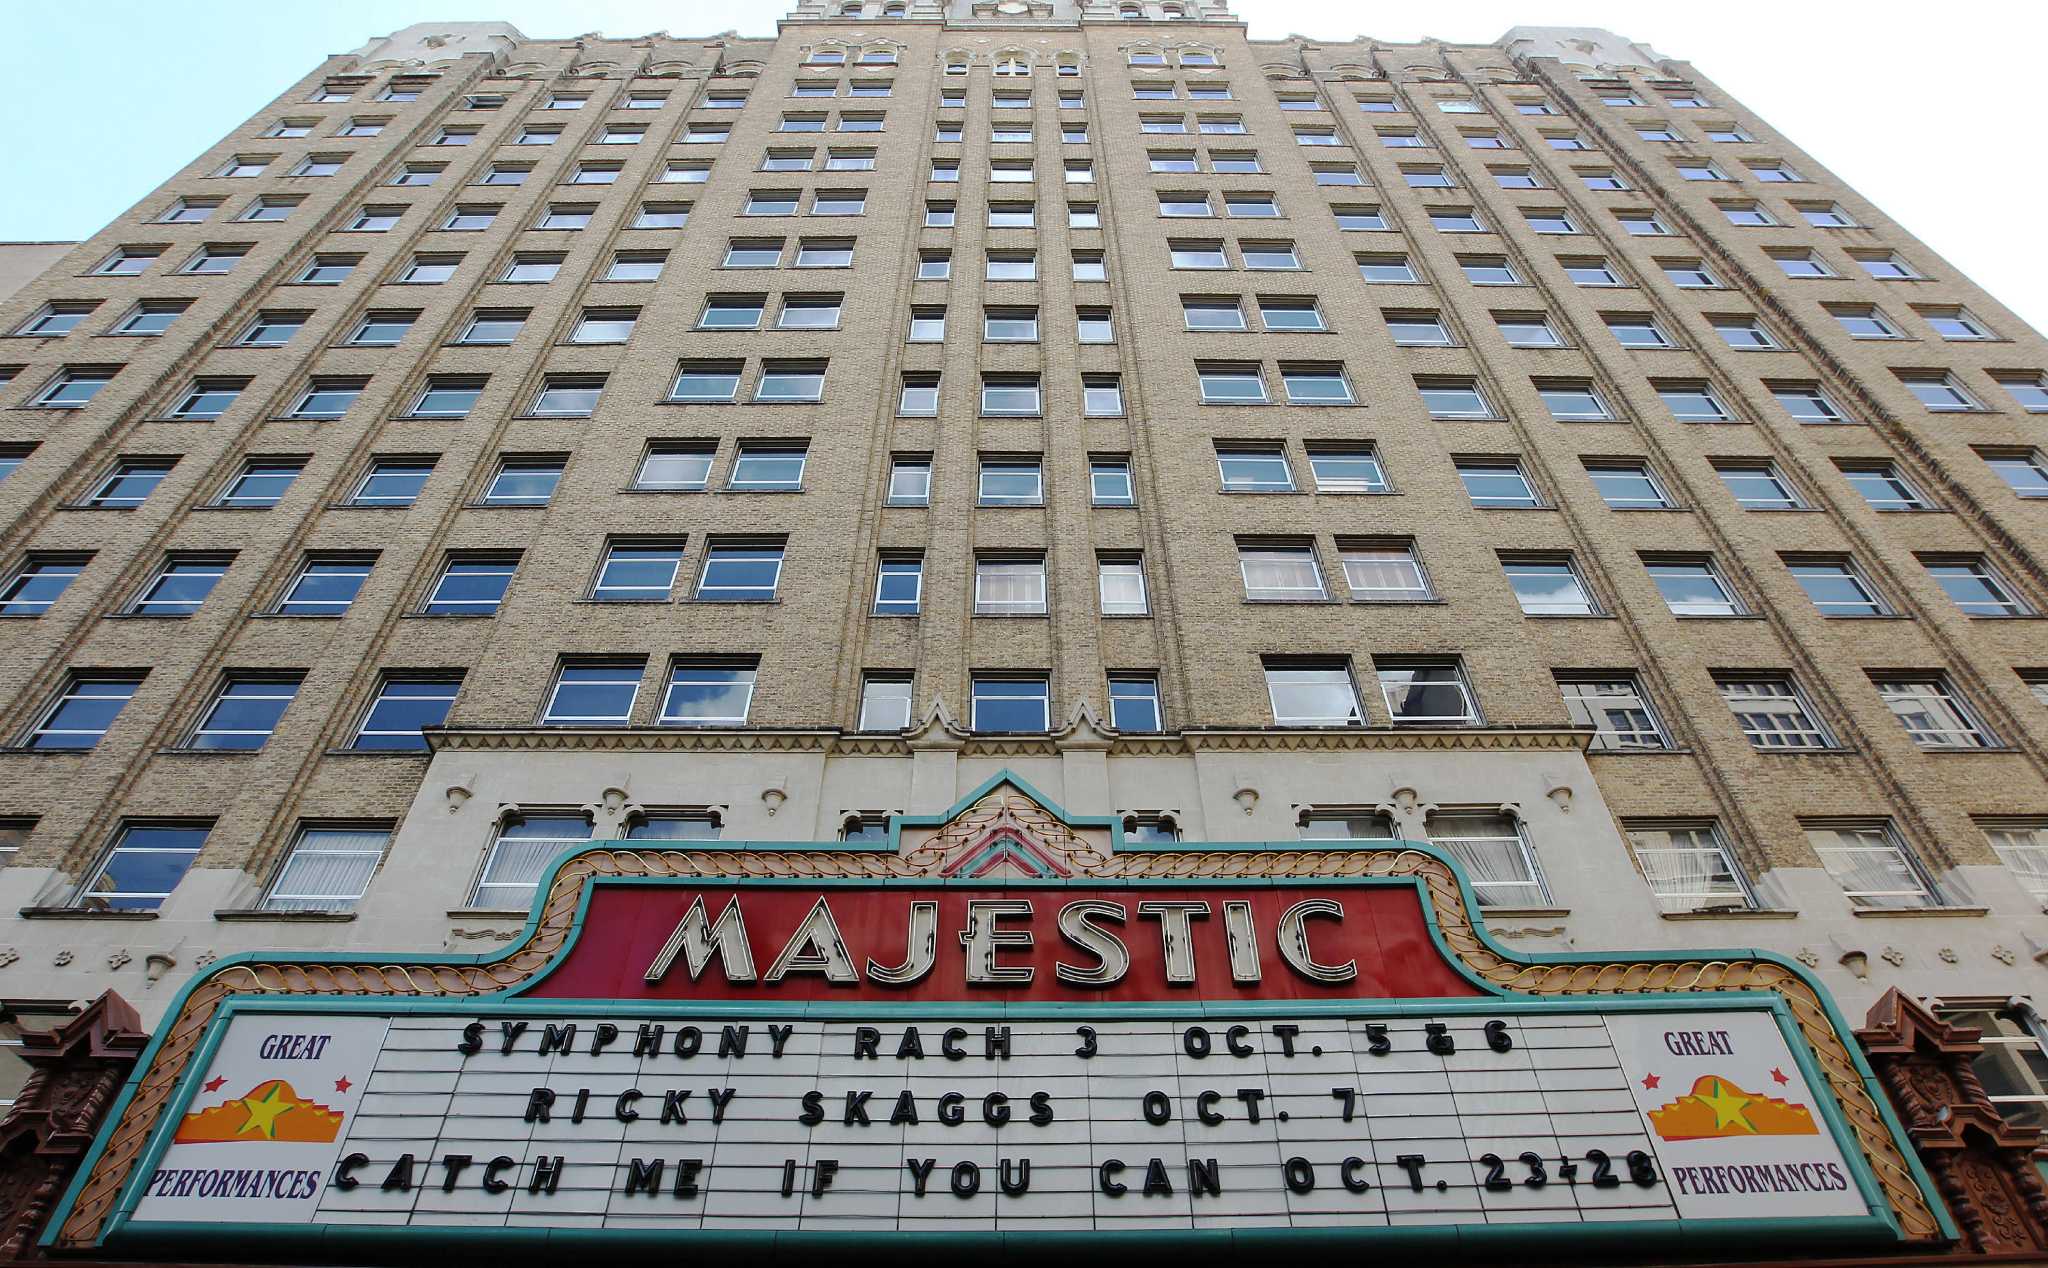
column 1007, row 1024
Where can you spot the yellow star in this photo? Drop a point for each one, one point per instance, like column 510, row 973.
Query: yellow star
column 1727, row 1107
column 263, row 1114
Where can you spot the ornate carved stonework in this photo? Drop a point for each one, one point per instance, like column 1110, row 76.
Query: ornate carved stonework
column 74, row 1072
column 1983, row 1165
column 1004, row 830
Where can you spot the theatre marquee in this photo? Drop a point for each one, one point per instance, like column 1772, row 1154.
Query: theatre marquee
column 1004, row 1025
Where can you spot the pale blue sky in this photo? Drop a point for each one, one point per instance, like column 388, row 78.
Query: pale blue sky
column 109, row 97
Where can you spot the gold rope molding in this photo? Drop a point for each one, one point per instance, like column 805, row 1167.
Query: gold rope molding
column 111, row 1170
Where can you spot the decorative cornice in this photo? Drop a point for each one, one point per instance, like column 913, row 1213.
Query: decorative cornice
column 1085, row 736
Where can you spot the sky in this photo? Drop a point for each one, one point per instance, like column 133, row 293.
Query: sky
column 1937, row 123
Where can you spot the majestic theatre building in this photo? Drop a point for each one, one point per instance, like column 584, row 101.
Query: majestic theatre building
column 1019, row 627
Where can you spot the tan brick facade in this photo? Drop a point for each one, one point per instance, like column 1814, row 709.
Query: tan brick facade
column 1205, row 642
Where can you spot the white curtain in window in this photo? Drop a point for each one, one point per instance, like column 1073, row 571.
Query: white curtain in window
column 1490, row 849
column 328, row 870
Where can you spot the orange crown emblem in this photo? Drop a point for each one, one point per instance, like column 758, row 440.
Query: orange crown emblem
column 1719, row 1107
column 271, row 1111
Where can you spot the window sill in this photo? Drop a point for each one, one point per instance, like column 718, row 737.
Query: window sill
column 208, row 752
column 296, row 616
column 1916, row 913
column 1570, row 616
column 422, row 751
column 147, row 616
column 1733, row 913
column 487, row 913
column 1525, row 913
column 447, row 616
column 252, row 914
column 82, row 913
column 504, row 506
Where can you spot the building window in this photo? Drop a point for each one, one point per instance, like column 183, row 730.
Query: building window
column 1482, row 270
column 1427, row 693
column 328, row 869
column 391, row 483
column 1454, row 398
column 1344, row 825
column 637, row 572
column 1497, row 859
column 1693, row 587
column 2029, row 391
column 2013, row 1068
column 470, row 585
column 1808, row 403
column 493, row 326
column 1883, row 486
column 447, row 397
column 470, row 219
column 72, row 389
column 567, row 396
column 593, row 693
column 706, row 382
column 1254, row 469
column 1837, row 586
column 1618, row 710
column 1279, row 573
column 1689, row 867
column 207, row 398
column 1628, row 486
column 326, row 398
column 85, row 707
column 1933, row 712
column 791, row 382
column 1347, row 469
column 38, row 582
column 405, row 703
column 708, row 693
column 1872, row 864
column 1500, row 483
column 180, row 585
column 671, row 467
column 1548, row 586
column 1975, row 588
column 1573, row 400
column 326, row 585
column 1637, row 330
column 519, row 852
column 1092, row 325
column 142, row 867
column 1134, row 702
column 1313, row 384
column 1692, row 400
column 1010, row 705
column 1385, row 573
column 636, row 266
column 129, row 484
column 1941, row 393
column 899, row 585
column 1109, row 482
column 2025, row 471
column 1009, row 394
column 2022, row 845
column 245, row 711
column 1312, row 693
column 1009, row 587
column 376, row 329
column 738, row 573
column 1773, row 713
column 885, row 702
column 1120, row 583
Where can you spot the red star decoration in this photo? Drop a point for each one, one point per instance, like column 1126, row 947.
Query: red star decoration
column 341, row 1084
column 215, row 1083
column 1780, row 1076
column 1650, row 1081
